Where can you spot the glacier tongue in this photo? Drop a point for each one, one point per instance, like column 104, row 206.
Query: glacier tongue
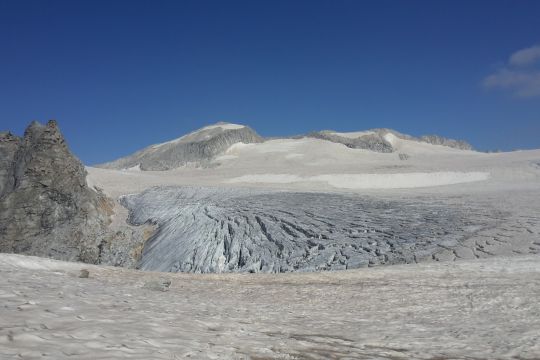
column 246, row 230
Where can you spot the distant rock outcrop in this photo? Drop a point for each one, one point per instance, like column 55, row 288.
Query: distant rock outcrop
column 198, row 147
column 46, row 206
column 370, row 141
column 439, row 140
column 375, row 140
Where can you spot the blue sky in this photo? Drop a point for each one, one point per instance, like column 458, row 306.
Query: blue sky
column 120, row 75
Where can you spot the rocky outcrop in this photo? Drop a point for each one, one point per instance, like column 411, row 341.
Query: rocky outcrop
column 198, row 148
column 375, row 140
column 439, row 140
column 9, row 144
column 46, row 206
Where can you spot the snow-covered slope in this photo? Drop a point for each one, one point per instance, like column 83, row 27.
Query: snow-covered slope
column 198, row 147
column 477, row 309
column 315, row 164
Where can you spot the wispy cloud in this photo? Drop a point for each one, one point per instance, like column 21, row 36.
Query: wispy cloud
column 525, row 56
column 521, row 74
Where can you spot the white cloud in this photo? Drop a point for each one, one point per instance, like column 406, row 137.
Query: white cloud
column 521, row 76
column 526, row 56
column 521, row 83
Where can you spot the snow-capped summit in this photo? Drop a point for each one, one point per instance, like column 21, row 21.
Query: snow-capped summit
column 199, row 146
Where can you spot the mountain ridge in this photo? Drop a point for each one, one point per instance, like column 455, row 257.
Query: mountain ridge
column 201, row 146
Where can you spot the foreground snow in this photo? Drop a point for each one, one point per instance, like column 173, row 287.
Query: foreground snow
column 482, row 309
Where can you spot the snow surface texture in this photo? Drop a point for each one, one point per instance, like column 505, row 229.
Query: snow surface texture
column 481, row 309
column 224, row 230
column 371, row 181
column 309, row 164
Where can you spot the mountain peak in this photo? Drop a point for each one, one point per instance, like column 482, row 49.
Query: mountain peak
column 199, row 147
column 46, row 206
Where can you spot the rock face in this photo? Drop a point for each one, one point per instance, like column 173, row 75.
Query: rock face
column 198, row 148
column 9, row 144
column 246, row 230
column 46, row 207
column 375, row 140
column 439, row 140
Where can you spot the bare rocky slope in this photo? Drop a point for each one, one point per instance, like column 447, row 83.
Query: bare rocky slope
column 47, row 208
column 198, row 147
column 375, row 140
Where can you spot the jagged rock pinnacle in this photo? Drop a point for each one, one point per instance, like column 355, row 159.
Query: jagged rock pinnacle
column 46, row 207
